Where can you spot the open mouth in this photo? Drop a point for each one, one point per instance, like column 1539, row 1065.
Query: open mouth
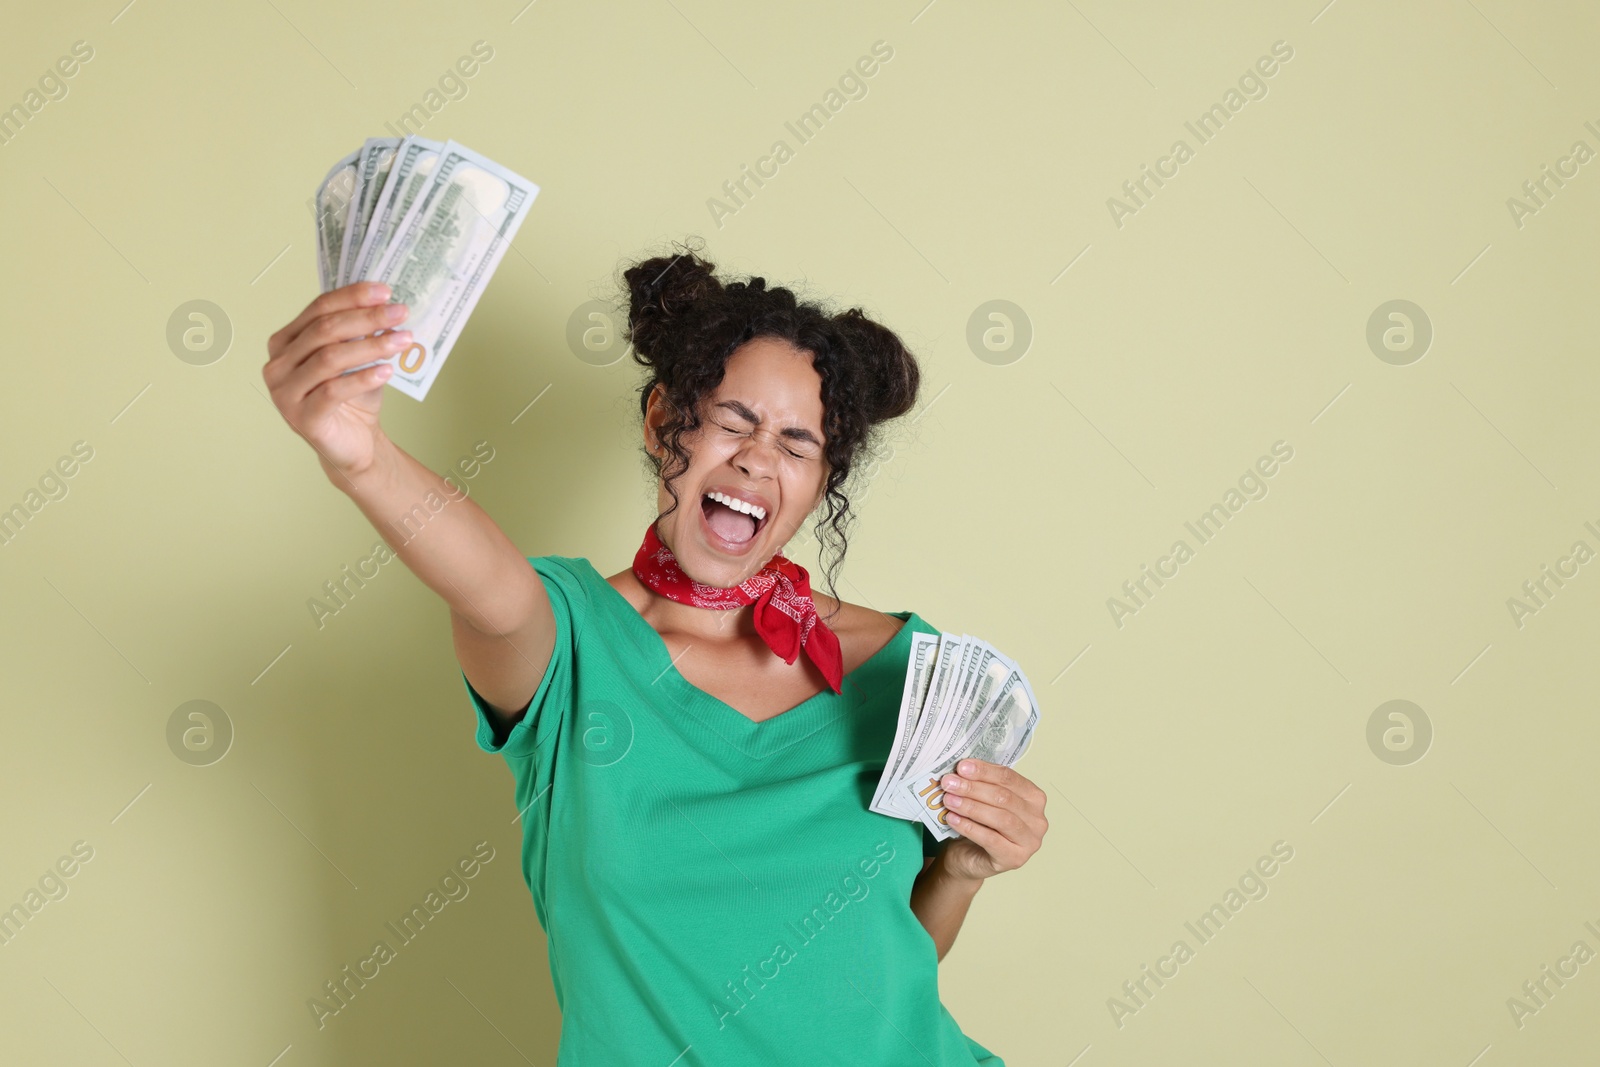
column 733, row 520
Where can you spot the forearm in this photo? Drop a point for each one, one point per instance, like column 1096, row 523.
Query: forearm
column 940, row 901
column 442, row 536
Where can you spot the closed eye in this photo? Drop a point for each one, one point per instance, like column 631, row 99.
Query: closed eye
column 745, row 433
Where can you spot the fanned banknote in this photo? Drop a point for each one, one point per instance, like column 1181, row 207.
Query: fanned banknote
column 332, row 211
column 962, row 699
column 430, row 220
column 411, row 171
column 372, row 168
column 919, row 672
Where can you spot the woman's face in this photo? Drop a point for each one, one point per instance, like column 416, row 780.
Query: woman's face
column 760, row 443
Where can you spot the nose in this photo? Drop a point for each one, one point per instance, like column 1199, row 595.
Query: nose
column 755, row 457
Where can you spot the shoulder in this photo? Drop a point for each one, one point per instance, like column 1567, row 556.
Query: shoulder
column 627, row 584
column 862, row 631
column 565, row 578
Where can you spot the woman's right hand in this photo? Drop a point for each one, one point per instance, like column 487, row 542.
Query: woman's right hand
column 335, row 412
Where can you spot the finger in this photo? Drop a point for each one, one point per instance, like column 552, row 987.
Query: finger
column 989, row 839
column 357, row 294
column 994, row 776
column 984, row 771
column 1002, row 820
column 330, row 394
column 330, row 330
column 1022, row 795
column 331, row 362
column 999, row 797
column 350, row 325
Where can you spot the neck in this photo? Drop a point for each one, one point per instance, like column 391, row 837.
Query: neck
column 706, row 624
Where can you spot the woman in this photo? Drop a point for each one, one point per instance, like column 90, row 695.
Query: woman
column 695, row 739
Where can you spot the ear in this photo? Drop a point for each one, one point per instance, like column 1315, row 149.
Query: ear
column 655, row 413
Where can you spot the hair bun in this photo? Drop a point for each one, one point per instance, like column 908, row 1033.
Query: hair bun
column 665, row 295
column 891, row 373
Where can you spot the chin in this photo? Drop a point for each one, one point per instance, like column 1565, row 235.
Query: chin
column 711, row 560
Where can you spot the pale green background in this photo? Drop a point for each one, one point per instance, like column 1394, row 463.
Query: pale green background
column 1227, row 314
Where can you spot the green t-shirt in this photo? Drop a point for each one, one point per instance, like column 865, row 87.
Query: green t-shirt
column 714, row 890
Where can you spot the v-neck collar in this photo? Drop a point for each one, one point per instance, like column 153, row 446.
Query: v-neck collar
column 756, row 739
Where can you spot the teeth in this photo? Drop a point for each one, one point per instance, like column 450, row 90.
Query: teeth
column 739, row 505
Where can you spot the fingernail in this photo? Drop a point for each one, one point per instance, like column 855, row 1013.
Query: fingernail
column 378, row 291
column 950, row 781
column 951, row 800
column 966, row 767
column 400, row 337
column 384, row 370
column 394, row 312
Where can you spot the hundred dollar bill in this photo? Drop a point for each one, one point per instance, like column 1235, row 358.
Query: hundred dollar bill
column 919, row 672
column 409, row 174
column 443, row 254
column 988, row 670
column 1001, row 735
column 984, row 674
column 936, row 732
column 332, row 211
column 951, row 649
column 372, row 168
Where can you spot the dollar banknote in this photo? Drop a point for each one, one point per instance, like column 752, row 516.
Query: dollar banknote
column 372, row 169
column 981, row 673
column 430, row 220
column 962, row 698
column 409, row 174
column 443, row 252
column 946, row 675
column 1000, row 735
column 919, row 672
column 984, row 671
column 332, row 211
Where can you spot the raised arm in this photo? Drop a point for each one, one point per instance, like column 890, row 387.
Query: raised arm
column 503, row 628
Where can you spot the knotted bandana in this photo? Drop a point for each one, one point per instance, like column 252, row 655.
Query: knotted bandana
column 785, row 615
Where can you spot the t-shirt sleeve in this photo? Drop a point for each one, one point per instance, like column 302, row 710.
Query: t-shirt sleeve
column 569, row 602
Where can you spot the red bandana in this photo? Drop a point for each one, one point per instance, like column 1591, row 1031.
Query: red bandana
column 785, row 616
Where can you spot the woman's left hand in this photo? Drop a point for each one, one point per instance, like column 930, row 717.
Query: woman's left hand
column 999, row 815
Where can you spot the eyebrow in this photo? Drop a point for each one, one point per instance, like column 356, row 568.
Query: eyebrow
column 797, row 433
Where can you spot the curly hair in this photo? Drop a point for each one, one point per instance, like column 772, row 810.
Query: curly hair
column 684, row 325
